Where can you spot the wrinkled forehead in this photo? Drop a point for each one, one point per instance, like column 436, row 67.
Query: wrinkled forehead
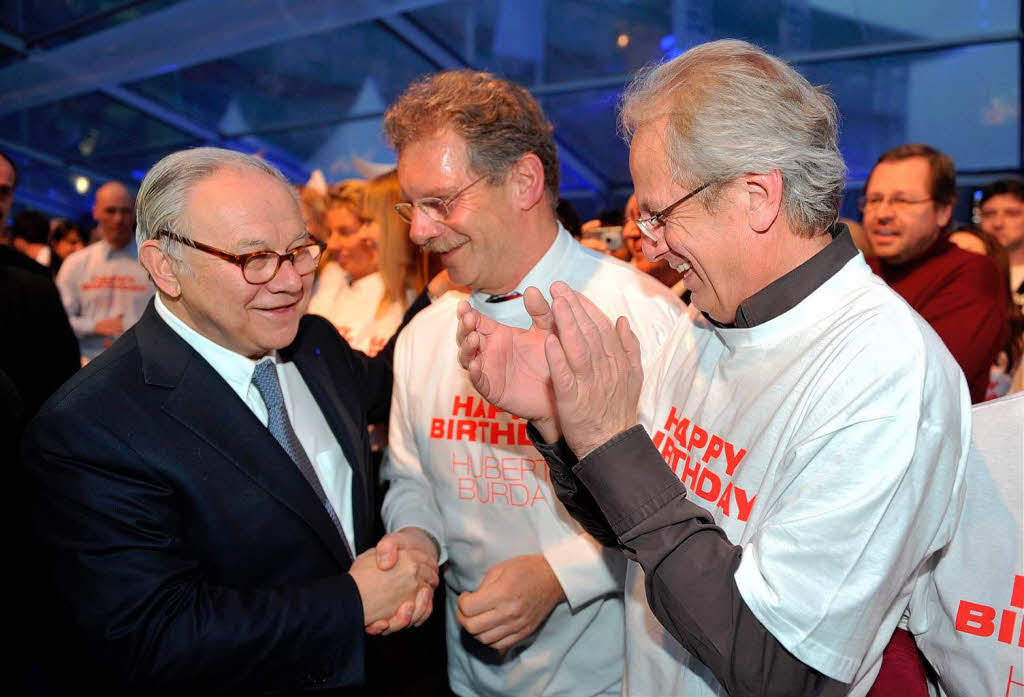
column 431, row 166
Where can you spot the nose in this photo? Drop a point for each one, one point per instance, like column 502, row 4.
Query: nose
column 654, row 249
column 286, row 280
column 422, row 228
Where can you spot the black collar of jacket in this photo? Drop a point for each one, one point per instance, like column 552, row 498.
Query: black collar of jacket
column 786, row 292
column 226, row 423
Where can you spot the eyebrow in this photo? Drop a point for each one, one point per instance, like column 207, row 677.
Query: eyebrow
column 258, row 244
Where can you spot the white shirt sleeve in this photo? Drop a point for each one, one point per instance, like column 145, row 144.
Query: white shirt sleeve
column 410, row 498
column 586, row 569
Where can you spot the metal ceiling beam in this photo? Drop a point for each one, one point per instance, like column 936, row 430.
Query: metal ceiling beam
column 445, row 59
column 289, row 166
column 11, row 41
column 185, row 34
column 53, row 161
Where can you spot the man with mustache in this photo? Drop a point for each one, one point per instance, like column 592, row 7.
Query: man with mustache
column 534, row 604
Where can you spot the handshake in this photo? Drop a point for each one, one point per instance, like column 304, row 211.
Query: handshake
column 396, row 580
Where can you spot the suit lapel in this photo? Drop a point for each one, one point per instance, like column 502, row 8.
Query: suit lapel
column 204, row 403
column 326, row 391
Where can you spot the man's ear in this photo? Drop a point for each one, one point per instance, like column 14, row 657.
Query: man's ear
column 160, row 267
column 943, row 213
column 527, row 180
column 764, row 196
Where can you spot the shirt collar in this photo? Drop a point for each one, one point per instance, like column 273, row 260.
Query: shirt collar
column 786, row 292
column 235, row 368
column 549, row 268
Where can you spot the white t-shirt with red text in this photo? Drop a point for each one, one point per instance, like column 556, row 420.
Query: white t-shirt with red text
column 967, row 614
column 100, row 282
column 829, row 443
column 467, row 473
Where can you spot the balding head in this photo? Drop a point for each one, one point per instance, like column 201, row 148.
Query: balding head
column 114, row 210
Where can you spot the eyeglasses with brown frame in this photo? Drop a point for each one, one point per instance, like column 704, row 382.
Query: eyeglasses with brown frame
column 260, row 267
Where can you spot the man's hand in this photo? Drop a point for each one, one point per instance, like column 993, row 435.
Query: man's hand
column 388, row 549
column 507, row 366
column 393, row 594
column 111, row 326
column 595, row 371
column 515, row 596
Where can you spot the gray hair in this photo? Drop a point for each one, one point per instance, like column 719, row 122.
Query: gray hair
column 733, row 109
column 163, row 195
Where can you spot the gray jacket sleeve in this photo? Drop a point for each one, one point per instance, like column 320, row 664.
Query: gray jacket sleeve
column 623, row 494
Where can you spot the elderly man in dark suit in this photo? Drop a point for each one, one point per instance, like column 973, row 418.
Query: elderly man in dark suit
column 202, row 490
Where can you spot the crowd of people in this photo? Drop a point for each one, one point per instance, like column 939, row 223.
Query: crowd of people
column 266, row 426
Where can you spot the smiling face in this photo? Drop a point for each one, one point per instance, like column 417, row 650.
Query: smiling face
column 903, row 233
column 1002, row 216
column 706, row 247
column 350, row 243
column 238, row 211
column 475, row 243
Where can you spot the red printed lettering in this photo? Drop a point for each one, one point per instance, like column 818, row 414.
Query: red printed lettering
column 503, row 431
column 491, row 470
column 462, row 405
column 723, row 502
column 743, row 506
column 467, row 465
column 714, row 449
column 732, row 458
column 976, row 619
column 691, row 468
column 698, row 438
column 437, row 428
column 467, row 489
column 1017, row 595
column 1011, row 682
column 1006, row 625
column 465, row 428
column 708, row 477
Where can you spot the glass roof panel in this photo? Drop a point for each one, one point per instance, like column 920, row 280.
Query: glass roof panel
column 356, row 70
column 43, row 187
column 83, row 129
column 331, row 148
column 547, row 41
column 952, row 99
column 49, row 23
column 585, row 123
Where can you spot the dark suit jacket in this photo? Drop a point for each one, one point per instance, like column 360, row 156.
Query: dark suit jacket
column 39, row 350
column 185, row 545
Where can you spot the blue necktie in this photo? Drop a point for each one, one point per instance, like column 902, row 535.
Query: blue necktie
column 280, row 427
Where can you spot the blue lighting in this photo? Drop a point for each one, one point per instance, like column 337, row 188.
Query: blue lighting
column 667, row 42
column 138, row 174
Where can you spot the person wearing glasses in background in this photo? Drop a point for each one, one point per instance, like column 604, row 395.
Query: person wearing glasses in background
column 908, row 204
column 201, row 491
column 795, row 454
column 534, row 604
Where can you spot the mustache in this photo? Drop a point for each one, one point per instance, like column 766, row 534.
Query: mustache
column 440, row 245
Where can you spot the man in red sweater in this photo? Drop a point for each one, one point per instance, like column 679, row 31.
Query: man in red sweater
column 907, row 206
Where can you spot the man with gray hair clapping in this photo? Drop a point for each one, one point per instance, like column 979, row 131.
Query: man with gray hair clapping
column 782, row 472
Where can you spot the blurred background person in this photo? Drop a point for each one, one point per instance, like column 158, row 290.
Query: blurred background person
column 65, row 239
column 103, row 286
column 343, row 207
column 1002, row 215
column 385, row 270
column 30, row 236
column 1008, row 360
column 860, row 238
column 633, row 242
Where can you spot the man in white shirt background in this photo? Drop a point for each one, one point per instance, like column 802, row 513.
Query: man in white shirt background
column 533, row 603
column 103, row 287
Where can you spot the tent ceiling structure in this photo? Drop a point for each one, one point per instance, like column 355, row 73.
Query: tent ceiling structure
column 101, row 89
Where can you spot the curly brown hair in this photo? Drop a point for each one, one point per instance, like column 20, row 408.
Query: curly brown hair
column 499, row 120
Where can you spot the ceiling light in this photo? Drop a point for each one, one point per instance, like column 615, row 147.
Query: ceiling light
column 81, row 184
column 622, row 41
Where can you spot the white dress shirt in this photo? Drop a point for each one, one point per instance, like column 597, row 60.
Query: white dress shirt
column 328, row 460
